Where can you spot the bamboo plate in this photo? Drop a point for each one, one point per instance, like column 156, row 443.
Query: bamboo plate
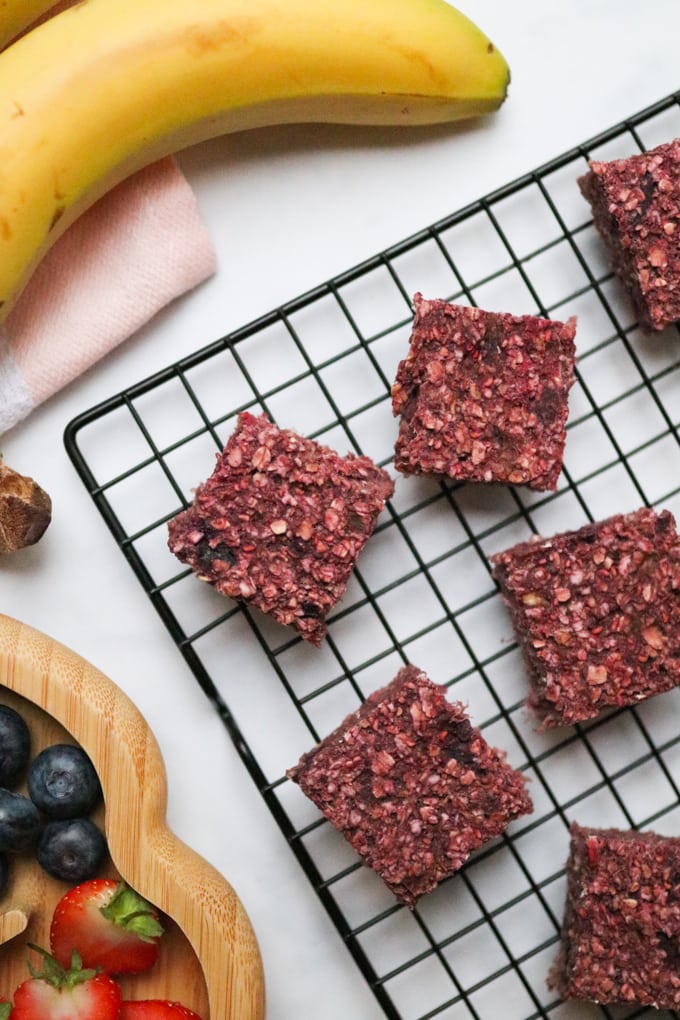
column 209, row 958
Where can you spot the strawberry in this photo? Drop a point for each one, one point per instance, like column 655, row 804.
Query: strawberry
column 109, row 925
column 155, row 1009
column 58, row 994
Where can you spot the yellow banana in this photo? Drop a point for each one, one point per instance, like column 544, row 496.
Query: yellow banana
column 107, row 86
column 16, row 15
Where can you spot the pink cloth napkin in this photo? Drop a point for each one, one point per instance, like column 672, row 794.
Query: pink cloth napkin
column 123, row 260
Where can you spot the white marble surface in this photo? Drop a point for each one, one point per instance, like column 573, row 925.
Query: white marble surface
column 288, row 208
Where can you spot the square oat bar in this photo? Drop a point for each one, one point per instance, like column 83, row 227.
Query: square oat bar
column 483, row 396
column 412, row 785
column 621, row 928
column 636, row 210
column 596, row 613
column 280, row 523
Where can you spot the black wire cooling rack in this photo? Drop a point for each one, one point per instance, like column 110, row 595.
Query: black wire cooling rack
column 481, row 945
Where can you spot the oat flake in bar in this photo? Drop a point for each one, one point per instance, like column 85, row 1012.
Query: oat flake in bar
column 621, row 928
column 483, row 396
column 596, row 613
column 636, row 210
column 412, row 785
column 280, row 523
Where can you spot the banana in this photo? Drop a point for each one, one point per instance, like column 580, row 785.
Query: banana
column 108, row 86
column 16, row 15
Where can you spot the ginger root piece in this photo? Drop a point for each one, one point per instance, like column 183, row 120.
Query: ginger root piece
column 25, row 510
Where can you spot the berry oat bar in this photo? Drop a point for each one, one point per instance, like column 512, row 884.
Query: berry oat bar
column 636, row 210
column 596, row 613
column 280, row 523
column 482, row 396
column 412, row 785
column 621, row 928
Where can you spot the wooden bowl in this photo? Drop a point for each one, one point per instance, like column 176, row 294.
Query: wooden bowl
column 209, row 958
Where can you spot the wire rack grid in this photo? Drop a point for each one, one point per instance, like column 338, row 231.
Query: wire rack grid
column 422, row 591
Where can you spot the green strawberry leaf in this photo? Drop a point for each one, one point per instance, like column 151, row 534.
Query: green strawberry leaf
column 131, row 912
column 54, row 974
column 5, row 1010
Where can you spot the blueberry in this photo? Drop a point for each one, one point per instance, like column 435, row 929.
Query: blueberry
column 4, row 872
column 62, row 782
column 19, row 822
column 15, row 746
column 71, row 849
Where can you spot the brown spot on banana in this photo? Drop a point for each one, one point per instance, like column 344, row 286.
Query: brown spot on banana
column 224, row 33
column 56, row 216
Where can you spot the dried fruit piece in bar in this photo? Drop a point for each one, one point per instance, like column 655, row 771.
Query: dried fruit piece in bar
column 412, row 785
column 636, row 210
column 483, row 396
column 621, row 927
column 280, row 523
column 597, row 614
